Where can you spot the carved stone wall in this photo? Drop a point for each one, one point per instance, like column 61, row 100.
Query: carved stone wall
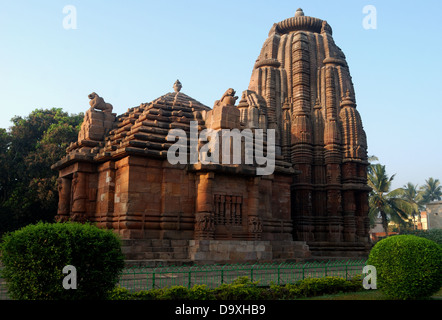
column 305, row 81
column 118, row 175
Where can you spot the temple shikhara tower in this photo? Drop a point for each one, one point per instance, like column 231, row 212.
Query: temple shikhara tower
column 314, row 204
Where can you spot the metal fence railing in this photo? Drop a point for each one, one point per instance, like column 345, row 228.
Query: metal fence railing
column 137, row 279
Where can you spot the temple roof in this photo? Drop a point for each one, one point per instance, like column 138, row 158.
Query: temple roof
column 141, row 130
column 144, row 129
column 300, row 22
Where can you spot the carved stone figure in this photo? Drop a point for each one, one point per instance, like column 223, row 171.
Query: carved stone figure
column 228, row 98
column 204, row 225
column 98, row 103
column 255, row 225
column 64, row 194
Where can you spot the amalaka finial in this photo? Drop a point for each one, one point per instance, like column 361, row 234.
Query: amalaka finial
column 177, row 86
column 347, row 99
column 299, row 13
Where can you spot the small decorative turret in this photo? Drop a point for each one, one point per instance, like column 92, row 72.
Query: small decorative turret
column 347, row 100
column 299, row 13
column 177, row 86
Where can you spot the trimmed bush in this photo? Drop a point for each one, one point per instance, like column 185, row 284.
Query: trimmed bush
column 243, row 289
column 408, row 267
column 34, row 258
column 201, row 292
column 329, row 285
column 119, row 293
column 432, row 234
column 176, row 293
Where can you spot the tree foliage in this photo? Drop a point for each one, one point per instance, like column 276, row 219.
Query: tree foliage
column 408, row 267
column 28, row 190
column 402, row 205
column 389, row 204
column 34, row 258
column 431, row 191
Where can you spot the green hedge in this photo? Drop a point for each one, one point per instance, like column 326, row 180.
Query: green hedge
column 408, row 267
column 34, row 258
column 243, row 289
column 432, row 234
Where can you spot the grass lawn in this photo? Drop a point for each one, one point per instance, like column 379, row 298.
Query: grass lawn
column 364, row 295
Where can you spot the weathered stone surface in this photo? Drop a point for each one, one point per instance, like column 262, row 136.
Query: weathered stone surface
column 96, row 125
column 314, row 203
column 322, row 137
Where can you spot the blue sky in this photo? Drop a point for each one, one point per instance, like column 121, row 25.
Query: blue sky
column 131, row 52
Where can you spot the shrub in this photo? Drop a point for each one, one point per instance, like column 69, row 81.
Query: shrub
column 329, row 285
column 432, row 234
column 278, row 292
column 292, row 290
column 175, row 293
column 201, row 292
column 35, row 256
column 244, row 289
column 241, row 289
column 153, row 294
column 119, row 293
column 408, row 267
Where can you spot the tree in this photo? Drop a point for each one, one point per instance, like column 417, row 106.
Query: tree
column 371, row 159
column 412, row 195
column 28, row 187
column 389, row 205
column 431, row 191
column 4, row 146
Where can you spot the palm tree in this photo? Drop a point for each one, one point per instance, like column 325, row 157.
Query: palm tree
column 371, row 159
column 431, row 191
column 414, row 197
column 388, row 204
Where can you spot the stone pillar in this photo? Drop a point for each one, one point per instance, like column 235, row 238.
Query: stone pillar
column 254, row 223
column 362, row 220
column 334, row 203
column 349, row 208
column 64, row 202
column 333, row 158
column 302, row 157
column 107, row 208
column 204, row 218
column 79, row 196
column 253, row 196
column 286, row 140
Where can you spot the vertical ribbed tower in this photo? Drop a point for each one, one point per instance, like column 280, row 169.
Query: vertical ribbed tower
column 304, row 78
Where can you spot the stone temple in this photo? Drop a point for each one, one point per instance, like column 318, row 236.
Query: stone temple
column 313, row 205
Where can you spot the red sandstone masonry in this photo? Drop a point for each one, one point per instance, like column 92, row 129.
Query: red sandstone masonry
column 117, row 173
